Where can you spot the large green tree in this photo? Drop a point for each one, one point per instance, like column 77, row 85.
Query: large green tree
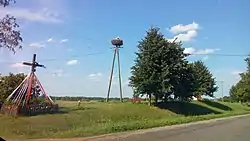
column 204, row 82
column 160, row 68
column 241, row 90
column 147, row 73
column 9, row 83
column 10, row 36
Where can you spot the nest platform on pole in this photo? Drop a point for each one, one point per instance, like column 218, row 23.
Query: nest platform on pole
column 29, row 98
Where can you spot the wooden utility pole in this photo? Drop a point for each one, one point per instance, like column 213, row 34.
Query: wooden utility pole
column 117, row 45
column 222, row 93
column 33, row 65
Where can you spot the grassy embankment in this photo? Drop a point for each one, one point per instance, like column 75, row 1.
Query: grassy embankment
column 94, row 118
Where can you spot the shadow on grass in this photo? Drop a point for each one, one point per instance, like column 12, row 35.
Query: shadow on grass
column 71, row 109
column 1, row 139
column 62, row 110
column 186, row 108
column 217, row 105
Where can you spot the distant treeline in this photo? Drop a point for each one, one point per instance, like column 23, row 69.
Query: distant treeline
column 72, row 98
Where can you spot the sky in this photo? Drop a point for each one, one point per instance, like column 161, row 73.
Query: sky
column 72, row 39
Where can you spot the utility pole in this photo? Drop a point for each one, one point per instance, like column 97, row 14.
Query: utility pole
column 117, row 45
column 222, row 93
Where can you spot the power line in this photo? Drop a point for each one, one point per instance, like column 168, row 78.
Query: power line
column 97, row 53
column 73, row 56
column 215, row 54
column 54, row 59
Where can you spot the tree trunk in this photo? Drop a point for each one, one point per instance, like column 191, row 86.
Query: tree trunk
column 149, row 99
column 156, row 99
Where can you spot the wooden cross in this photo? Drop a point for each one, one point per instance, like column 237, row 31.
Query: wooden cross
column 33, row 64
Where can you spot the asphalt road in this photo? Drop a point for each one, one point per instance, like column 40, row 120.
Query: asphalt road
column 232, row 129
column 225, row 130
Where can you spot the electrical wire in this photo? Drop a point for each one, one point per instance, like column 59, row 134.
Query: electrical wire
column 98, row 53
column 54, row 59
column 215, row 54
column 73, row 56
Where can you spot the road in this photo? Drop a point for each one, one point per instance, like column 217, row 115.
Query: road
column 231, row 129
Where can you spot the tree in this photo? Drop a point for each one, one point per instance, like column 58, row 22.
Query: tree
column 247, row 60
column 160, row 68
column 10, row 36
column 233, row 94
column 204, row 83
column 9, row 83
column 5, row 3
column 185, row 86
column 241, row 91
column 179, row 72
column 147, row 71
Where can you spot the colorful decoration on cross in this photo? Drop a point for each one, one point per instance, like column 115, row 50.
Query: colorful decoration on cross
column 28, row 90
column 29, row 98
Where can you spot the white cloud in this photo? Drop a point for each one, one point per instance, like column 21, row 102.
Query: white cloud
column 237, row 72
column 44, row 15
column 184, row 33
column 18, row 65
column 95, row 76
column 206, row 51
column 180, row 28
column 64, row 40
column 72, row 62
column 191, row 50
column 37, row 45
column 185, row 37
column 50, row 40
column 41, row 44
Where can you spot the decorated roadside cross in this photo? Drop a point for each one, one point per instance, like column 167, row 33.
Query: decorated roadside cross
column 29, row 98
column 33, row 65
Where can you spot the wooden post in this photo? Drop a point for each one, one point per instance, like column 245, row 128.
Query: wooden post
column 119, row 73
column 31, row 78
column 33, row 65
column 117, row 45
column 111, row 75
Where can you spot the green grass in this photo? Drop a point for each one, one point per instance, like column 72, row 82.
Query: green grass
column 95, row 118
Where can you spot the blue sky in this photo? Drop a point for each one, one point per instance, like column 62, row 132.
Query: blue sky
column 72, row 38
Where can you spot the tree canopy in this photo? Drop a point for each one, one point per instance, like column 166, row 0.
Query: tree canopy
column 9, row 83
column 10, row 36
column 240, row 92
column 161, row 70
column 204, row 82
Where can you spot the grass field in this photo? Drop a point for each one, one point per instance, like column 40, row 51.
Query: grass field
column 94, row 118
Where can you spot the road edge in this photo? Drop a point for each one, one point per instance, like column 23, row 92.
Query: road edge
column 155, row 129
column 141, row 131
